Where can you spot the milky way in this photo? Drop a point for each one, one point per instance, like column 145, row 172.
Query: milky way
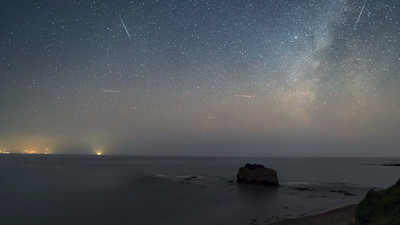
column 201, row 77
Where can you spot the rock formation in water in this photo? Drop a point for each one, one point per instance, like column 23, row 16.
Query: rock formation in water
column 391, row 164
column 257, row 175
column 380, row 207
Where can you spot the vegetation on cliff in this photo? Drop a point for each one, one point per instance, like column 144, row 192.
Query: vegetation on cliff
column 380, row 207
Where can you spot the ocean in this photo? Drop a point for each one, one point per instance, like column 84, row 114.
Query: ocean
column 118, row 190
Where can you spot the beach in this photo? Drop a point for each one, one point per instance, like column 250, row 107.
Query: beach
column 340, row 216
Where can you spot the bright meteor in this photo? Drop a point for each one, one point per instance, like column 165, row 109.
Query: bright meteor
column 359, row 15
column 126, row 30
column 245, row 96
column 110, row 91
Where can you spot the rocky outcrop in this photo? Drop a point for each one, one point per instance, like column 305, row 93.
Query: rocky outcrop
column 257, row 175
column 391, row 164
column 380, row 207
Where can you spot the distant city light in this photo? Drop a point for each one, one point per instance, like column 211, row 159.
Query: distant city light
column 45, row 151
column 30, row 151
column 4, row 151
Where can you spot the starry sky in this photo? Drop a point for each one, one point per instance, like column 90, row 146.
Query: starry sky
column 201, row 77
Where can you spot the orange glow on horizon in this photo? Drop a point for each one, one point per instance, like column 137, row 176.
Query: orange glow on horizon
column 32, row 151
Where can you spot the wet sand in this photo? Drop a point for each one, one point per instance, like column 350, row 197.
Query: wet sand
column 340, row 216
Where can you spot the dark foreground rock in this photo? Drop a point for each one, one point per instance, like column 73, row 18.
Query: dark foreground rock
column 346, row 193
column 380, row 207
column 257, row 175
column 391, row 164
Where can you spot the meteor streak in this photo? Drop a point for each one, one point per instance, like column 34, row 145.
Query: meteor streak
column 206, row 123
column 126, row 30
column 110, row 91
column 245, row 96
column 359, row 16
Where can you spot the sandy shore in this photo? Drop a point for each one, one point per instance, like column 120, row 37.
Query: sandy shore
column 340, row 216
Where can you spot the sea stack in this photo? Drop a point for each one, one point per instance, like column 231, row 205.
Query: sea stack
column 258, row 175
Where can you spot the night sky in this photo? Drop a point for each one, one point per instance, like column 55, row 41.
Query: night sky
column 201, row 78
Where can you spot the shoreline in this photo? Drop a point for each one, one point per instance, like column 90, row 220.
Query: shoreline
column 340, row 216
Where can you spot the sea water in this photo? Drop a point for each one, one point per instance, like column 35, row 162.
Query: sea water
column 74, row 190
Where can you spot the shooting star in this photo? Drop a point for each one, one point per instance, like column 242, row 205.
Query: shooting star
column 245, row 96
column 110, row 91
column 212, row 117
column 126, row 30
column 359, row 15
column 15, row 82
column 206, row 123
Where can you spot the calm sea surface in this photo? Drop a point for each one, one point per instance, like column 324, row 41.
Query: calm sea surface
column 74, row 190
